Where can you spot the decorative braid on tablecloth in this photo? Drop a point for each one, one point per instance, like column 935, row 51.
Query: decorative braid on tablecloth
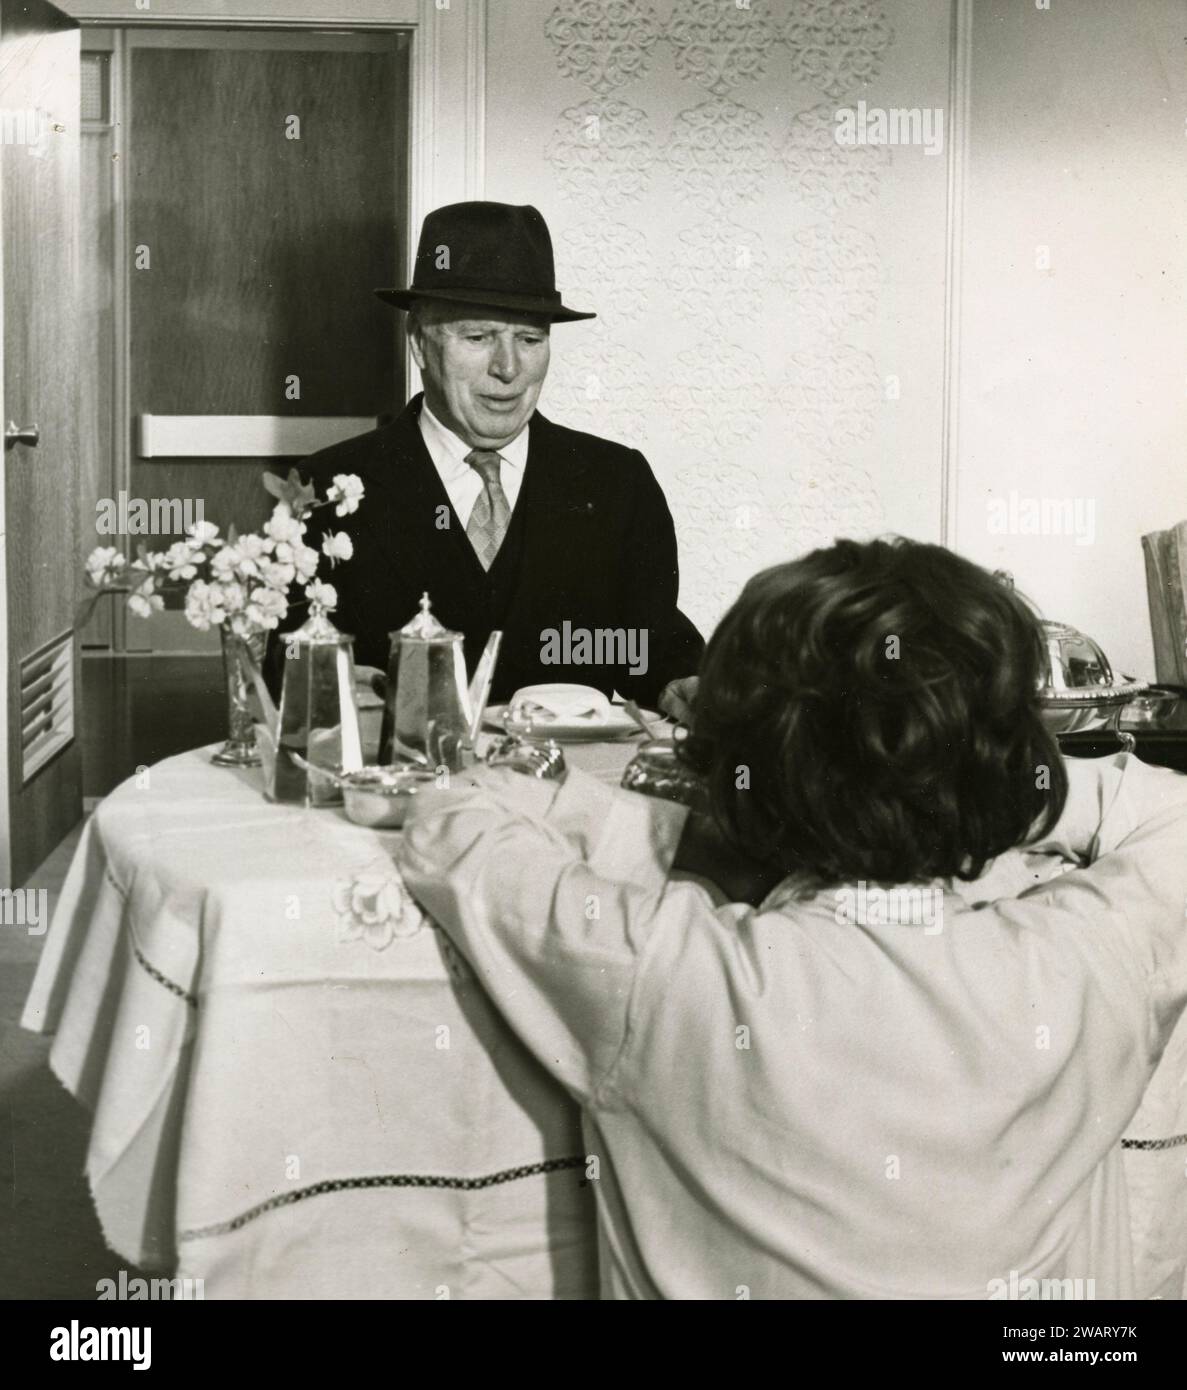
column 1147, row 1144
column 163, row 979
column 319, row 1189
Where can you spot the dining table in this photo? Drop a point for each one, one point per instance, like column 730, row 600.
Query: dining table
column 299, row 1089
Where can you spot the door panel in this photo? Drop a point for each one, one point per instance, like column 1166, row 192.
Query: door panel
column 39, row 73
column 252, row 254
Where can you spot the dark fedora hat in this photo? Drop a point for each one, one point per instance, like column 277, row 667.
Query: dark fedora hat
column 486, row 253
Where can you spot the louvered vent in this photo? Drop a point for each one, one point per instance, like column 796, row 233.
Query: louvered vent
column 96, row 88
column 47, row 703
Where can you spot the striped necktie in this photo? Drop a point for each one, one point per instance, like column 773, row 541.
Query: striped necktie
column 491, row 514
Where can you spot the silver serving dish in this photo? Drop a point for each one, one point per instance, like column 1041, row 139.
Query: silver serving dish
column 541, row 758
column 1079, row 689
column 656, row 770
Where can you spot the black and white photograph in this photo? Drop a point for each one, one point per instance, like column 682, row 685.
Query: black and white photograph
column 595, row 607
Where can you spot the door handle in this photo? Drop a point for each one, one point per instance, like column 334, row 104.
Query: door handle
column 21, row 434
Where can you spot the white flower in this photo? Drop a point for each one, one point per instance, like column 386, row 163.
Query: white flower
column 223, row 562
column 283, row 526
column 179, row 561
column 202, row 533
column 337, row 547
column 265, row 609
column 377, row 909
column 347, row 491
column 253, row 547
column 277, row 575
column 305, row 560
column 231, row 563
column 231, row 596
column 321, row 595
column 105, row 565
column 144, row 599
column 203, row 605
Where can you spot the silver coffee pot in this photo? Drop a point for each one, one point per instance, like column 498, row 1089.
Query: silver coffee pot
column 318, row 719
column 431, row 715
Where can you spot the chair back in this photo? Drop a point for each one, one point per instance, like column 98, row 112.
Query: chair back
column 1166, row 586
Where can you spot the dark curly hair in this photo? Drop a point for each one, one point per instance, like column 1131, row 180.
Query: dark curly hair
column 869, row 712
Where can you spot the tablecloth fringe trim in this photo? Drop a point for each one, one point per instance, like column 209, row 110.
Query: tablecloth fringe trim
column 155, row 974
column 319, row 1189
column 1172, row 1143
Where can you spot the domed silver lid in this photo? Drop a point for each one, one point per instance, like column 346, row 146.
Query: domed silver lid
column 1078, row 673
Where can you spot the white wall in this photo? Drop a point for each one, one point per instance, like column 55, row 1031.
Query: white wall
column 1073, row 377
column 755, row 297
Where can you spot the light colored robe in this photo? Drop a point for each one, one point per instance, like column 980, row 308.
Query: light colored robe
column 784, row 1105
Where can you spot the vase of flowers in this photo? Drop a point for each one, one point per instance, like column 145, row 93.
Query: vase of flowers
column 240, row 654
column 239, row 584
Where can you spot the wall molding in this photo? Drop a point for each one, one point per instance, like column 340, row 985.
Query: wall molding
column 230, row 14
column 448, row 137
column 244, row 436
column 121, row 289
column 959, row 96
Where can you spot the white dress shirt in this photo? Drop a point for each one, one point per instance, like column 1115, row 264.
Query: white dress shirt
column 463, row 483
column 787, row 1107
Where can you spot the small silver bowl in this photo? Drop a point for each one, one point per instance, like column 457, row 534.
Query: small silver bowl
column 379, row 797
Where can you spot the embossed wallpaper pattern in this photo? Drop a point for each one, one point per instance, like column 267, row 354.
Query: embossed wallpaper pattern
column 700, row 203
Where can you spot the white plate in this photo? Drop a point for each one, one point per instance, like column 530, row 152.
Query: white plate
column 618, row 726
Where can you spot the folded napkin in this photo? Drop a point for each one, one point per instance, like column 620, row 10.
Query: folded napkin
column 560, row 704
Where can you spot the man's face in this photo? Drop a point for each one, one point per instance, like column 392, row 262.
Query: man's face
column 482, row 368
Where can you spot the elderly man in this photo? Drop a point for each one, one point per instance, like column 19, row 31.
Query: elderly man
column 561, row 539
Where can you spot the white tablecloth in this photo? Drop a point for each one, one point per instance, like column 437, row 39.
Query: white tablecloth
column 298, row 1089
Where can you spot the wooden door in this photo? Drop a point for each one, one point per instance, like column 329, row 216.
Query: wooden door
column 265, row 188
column 39, row 212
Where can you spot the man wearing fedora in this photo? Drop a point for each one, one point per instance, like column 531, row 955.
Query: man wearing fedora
column 506, row 519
